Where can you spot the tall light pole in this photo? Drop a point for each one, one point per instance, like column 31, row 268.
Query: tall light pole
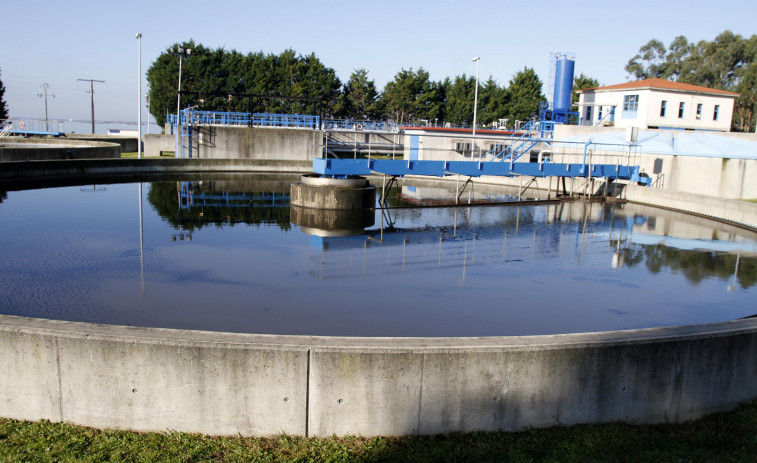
column 139, row 95
column 92, row 98
column 45, row 87
column 475, row 107
column 147, row 99
column 181, row 53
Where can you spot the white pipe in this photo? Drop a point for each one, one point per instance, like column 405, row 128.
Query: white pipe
column 475, row 109
column 139, row 96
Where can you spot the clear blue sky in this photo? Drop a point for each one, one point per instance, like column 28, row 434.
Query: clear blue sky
column 58, row 42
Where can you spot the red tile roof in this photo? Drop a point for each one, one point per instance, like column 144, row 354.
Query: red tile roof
column 662, row 84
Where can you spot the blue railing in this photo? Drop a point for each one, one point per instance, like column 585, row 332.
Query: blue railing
column 521, row 141
column 334, row 124
column 195, row 117
column 285, row 120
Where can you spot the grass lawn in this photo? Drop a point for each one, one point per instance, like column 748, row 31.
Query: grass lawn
column 730, row 436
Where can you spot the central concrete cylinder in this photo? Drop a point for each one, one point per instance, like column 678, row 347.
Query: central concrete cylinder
column 318, row 192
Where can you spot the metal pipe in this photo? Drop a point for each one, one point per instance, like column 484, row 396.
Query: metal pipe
column 139, row 95
column 475, row 105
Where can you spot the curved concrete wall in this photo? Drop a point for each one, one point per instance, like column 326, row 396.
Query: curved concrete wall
column 225, row 383
column 23, row 149
column 222, row 383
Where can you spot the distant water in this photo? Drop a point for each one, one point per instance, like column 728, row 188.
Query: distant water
column 223, row 254
column 101, row 127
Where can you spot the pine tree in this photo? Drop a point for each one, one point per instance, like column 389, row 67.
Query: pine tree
column 3, row 105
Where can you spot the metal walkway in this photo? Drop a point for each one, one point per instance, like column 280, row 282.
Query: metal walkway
column 399, row 168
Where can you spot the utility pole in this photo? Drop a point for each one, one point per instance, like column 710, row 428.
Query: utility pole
column 91, row 91
column 45, row 87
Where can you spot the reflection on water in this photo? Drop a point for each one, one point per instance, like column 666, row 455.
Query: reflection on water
column 227, row 254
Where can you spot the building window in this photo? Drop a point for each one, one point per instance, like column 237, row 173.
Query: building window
column 630, row 106
column 663, row 108
column 631, row 103
column 699, row 111
column 599, row 113
column 463, row 148
column 588, row 113
column 716, row 113
column 681, row 108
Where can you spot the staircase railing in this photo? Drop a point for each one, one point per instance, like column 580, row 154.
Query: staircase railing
column 606, row 117
column 7, row 128
column 521, row 141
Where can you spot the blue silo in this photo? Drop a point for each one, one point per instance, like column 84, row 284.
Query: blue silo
column 563, row 83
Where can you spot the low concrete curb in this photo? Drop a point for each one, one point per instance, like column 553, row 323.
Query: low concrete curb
column 150, row 379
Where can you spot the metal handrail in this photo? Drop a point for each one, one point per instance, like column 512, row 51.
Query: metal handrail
column 192, row 117
column 7, row 128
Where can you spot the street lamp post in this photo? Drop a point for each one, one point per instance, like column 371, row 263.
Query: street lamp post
column 475, row 107
column 147, row 99
column 181, row 53
column 139, row 95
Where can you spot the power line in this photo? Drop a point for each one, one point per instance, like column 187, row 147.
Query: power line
column 91, row 91
column 45, row 87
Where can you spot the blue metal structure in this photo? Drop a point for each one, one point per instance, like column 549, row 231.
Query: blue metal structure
column 191, row 117
column 521, row 141
column 563, row 83
column 560, row 91
column 360, row 125
column 189, row 198
column 340, row 168
column 610, row 227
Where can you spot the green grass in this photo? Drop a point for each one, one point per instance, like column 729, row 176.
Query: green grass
column 722, row 437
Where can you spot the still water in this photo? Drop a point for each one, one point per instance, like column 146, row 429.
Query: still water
column 223, row 254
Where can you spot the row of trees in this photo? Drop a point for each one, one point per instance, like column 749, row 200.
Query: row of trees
column 728, row 63
column 288, row 83
column 3, row 106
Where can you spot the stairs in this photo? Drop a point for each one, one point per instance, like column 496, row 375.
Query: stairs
column 7, row 128
column 520, row 142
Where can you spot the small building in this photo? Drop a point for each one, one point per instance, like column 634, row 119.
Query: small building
column 657, row 104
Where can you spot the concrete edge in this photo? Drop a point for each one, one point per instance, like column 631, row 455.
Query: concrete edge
column 418, row 344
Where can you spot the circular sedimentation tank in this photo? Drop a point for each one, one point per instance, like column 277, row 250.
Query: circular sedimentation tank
column 217, row 382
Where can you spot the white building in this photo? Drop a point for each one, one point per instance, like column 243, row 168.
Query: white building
column 657, row 104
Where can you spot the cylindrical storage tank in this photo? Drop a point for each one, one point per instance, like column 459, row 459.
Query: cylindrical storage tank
column 563, row 83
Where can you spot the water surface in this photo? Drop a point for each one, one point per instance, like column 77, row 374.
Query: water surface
column 224, row 255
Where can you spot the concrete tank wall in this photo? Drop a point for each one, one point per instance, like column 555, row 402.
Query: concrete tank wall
column 38, row 149
column 128, row 144
column 219, row 142
column 734, row 210
column 21, row 172
column 226, row 384
column 157, row 143
column 260, row 143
